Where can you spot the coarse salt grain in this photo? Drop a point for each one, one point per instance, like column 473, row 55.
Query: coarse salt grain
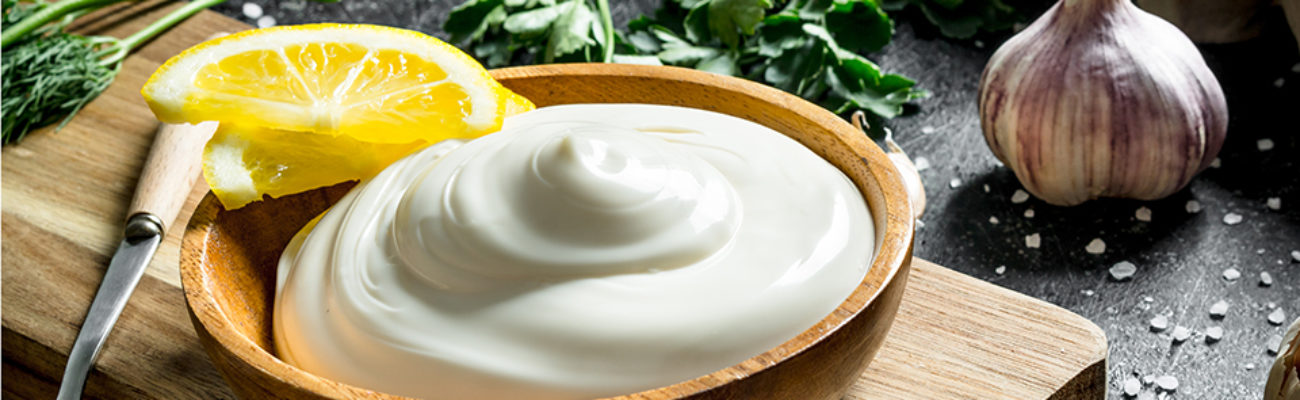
column 1219, row 309
column 986, row 188
column 979, row 44
column 954, row 183
column 1193, row 207
column 993, row 220
column 1143, row 214
column 1122, row 270
column 1159, row 323
column 1279, row 82
column 1001, row 269
column 1296, row 68
column 1295, row 256
column 1231, row 274
column 1215, row 163
column 1274, row 344
column 1096, row 246
column 1248, row 366
column 1088, row 292
column 1265, row 279
column 1264, row 144
column 1132, row 386
column 252, row 10
column 1029, row 213
column 1213, row 334
column 1274, row 203
column 921, row 163
column 1032, row 241
column 266, row 21
column 1232, row 219
column 1148, row 299
column 927, row 129
column 1181, row 334
column 1020, row 196
column 1277, row 317
column 1167, row 382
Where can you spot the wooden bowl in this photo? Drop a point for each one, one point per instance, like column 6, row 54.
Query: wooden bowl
column 229, row 258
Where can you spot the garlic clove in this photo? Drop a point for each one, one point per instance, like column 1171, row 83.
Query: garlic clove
column 1098, row 98
column 1284, row 377
column 910, row 174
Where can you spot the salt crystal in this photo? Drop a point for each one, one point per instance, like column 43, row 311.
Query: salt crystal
column 1264, row 144
column 1296, row 68
column 1143, row 214
column 1132, row 386
column 1148, row 299
column 1271, row 305
column 1029, row 213
column 1265, row 279
column 252, row 10
column 266, row 21
column 1122, row 271
column 927, row 129
column 1149, row 379
column 1215, row 163
column 1274, row 344
column 1001, row 269
column 979, row 44
column 986, row 188
column 1231, row 274
column 1181, row 334
column 1249, row 366
column 1167, row 383
column 1020, row 196
column 1213, row 334
column 1032, row 241
column 954, row 183
column 1088, row 292
column 1279, row 82
column 921, row 163
column 993, row 220
column 1232, row 219
column 1295, row 256
column 1277, row 317
column 1274, row 203
column 1193, row 207
column 1096, row 246
column 1219, row 309
column 1159, row 323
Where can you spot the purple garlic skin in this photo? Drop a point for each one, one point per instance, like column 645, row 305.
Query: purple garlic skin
column 1098, row 98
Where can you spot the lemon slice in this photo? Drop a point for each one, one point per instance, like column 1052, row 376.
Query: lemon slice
column 372, row 83
column 241, row 163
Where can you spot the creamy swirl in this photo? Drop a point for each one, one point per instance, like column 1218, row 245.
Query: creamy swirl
column 582, row 251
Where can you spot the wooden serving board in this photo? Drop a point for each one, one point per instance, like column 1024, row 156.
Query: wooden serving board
column 65, row 195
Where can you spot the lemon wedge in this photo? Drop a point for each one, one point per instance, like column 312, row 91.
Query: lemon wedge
column 372, row 83
column 308, row 106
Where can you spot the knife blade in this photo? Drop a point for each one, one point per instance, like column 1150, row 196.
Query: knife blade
column 169, row 173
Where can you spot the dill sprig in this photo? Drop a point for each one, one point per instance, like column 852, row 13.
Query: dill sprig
column 50, row 74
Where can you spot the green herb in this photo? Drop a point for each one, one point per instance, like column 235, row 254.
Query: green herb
column 808, row 47
column 962, row 19
column 50, row 74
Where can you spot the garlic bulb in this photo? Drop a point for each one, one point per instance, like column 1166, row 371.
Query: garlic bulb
column 1284, row 378
column 1098, row 98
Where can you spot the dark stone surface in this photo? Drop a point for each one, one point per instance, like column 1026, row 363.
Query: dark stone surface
column 1180, row 256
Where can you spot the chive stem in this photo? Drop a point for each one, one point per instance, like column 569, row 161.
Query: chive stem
column 46, row 15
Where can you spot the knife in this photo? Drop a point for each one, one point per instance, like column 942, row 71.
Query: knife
column 169, row 174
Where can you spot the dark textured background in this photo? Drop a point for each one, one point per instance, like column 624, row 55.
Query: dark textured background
column 1180, row 256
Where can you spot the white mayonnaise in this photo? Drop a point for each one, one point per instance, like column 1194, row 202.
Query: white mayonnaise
column 582, row 251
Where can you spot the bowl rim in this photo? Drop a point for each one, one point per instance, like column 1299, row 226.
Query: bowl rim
column 893, row 245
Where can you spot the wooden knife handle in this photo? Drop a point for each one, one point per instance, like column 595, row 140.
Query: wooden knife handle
column 171, row 170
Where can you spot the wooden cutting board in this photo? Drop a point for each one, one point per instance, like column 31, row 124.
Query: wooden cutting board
column 65, row 195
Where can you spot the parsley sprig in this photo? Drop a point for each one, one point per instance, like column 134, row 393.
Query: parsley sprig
column 812, row 48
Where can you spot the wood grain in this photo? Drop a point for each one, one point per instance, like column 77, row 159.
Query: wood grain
column 65, row 194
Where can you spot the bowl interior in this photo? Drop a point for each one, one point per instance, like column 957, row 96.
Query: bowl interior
column 229, row 257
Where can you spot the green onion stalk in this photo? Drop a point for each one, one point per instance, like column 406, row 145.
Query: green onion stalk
column 50, row 74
